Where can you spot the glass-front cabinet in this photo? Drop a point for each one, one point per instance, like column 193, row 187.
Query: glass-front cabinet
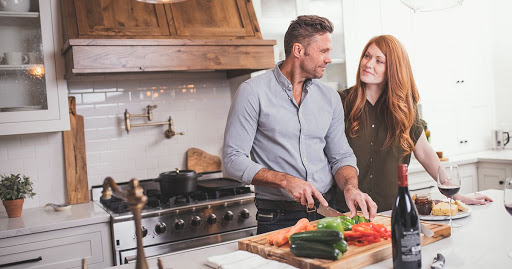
column 33, row 92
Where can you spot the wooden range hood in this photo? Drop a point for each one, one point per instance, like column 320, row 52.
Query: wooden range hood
column 114, row 36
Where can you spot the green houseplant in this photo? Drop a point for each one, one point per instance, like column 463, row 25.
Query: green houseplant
column 13, row 191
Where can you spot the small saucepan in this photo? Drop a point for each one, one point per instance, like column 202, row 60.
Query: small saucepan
column 177, row 182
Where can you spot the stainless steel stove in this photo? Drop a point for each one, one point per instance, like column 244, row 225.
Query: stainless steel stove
column 171, row 224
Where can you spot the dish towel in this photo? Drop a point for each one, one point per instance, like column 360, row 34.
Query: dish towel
column 244, row 259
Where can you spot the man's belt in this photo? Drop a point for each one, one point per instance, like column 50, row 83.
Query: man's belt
column 292, row 205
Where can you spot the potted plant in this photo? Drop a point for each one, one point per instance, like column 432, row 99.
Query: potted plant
column 13, row 191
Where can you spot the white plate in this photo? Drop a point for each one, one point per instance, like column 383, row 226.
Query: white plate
column 459, row 215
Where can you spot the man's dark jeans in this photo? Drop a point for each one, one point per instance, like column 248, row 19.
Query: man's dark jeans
column 271, row 220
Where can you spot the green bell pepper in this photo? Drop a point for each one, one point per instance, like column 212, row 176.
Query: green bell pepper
column 342, row 246
column 333, row 223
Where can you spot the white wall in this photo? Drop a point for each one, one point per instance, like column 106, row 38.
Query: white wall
column 198, row 102
column 502, row 62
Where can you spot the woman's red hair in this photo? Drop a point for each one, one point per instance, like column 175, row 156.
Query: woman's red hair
column 399, row 97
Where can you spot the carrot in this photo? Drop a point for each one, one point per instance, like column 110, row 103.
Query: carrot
column 282, row 239
column 300, row 225
column 310, row 228
column 272, row 236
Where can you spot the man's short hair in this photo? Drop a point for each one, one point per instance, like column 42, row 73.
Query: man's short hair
column 303, row 29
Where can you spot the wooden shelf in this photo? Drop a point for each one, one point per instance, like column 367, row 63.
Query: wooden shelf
column 17, row 67
column 19, row 14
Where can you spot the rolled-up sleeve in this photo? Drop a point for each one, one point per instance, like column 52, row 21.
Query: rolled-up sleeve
column 337, row 149
column 241, row 127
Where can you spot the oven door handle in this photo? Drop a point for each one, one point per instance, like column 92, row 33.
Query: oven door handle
column 130, row 259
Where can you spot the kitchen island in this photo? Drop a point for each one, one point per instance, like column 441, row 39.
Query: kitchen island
column 481, row 242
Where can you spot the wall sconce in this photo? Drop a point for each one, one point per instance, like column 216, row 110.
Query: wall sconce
column 431, row 5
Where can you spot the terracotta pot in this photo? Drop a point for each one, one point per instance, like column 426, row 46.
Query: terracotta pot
column 13, row 207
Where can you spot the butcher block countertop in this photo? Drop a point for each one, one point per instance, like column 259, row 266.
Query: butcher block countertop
column 36, row 220
column 481, row 242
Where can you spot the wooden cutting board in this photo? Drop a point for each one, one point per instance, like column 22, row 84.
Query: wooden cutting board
column 355, row 257
column 201, row 161
column 74, row 158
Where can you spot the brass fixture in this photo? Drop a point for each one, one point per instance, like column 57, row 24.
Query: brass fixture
column 169, row 133
column 136, row 201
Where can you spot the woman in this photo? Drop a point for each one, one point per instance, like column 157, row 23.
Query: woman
column 382, row 124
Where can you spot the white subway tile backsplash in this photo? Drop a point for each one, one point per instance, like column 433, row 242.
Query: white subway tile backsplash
column 34, row 139
column 80, row 86
column 105, row 86
column 197, row 102
column 22, row 152
column 11, row 166
column 93, row 98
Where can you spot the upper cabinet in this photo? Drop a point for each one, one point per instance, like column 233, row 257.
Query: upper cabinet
column 187, row 19
column 118, row 18
column 33, row 93
column 220, row 18
column 112, row 36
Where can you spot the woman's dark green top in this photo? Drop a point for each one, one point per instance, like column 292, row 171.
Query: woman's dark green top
column 377, row 165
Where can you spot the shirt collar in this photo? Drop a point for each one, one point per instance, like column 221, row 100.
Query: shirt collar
column 284, row 82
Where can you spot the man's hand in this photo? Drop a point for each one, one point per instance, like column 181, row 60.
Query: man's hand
column 303, row 191
column 473, row 199
column 354, row 197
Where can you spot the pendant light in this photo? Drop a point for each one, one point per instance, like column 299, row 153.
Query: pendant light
column 161, row 1
column 431, row 5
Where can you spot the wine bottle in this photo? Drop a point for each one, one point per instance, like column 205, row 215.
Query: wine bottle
column 405, row 226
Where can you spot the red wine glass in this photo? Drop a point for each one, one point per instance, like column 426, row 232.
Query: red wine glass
column 448, row 182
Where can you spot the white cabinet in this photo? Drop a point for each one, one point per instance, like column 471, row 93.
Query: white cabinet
column 469, row 178
column 421, row 183
column 492, row 175
column 59, row 249
column 274, row 17
column 33, row 92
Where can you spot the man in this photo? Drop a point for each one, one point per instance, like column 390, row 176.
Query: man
column 292, row 126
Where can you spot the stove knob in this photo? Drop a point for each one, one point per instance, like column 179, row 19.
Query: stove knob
column 179, row 224
column 196, row 221
column 228, row 216
column 244, row 214
column 144, row 231
column 160, row 228
column 212, row 219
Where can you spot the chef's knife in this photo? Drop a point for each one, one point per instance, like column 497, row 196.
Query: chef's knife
column 327, row 211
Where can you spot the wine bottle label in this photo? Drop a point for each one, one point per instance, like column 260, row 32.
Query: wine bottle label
column 411, row 246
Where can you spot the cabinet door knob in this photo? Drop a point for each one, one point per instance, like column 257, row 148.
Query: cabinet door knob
column 501, row 182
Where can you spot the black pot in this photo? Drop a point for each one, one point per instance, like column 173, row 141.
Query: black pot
column 177, row 182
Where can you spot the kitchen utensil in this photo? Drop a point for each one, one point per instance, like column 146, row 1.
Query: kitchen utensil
column 327, row 211
column 201, row 161
column 500, row 139
column 58, row 207
column 355, row 257
column 426, row 231
column 438, row 262
column 74, row 157
column 218, row 184
column 178, row 182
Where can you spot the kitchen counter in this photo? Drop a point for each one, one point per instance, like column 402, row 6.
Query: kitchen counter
column 495, row 156
column 481, row 242
column 36, row 220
